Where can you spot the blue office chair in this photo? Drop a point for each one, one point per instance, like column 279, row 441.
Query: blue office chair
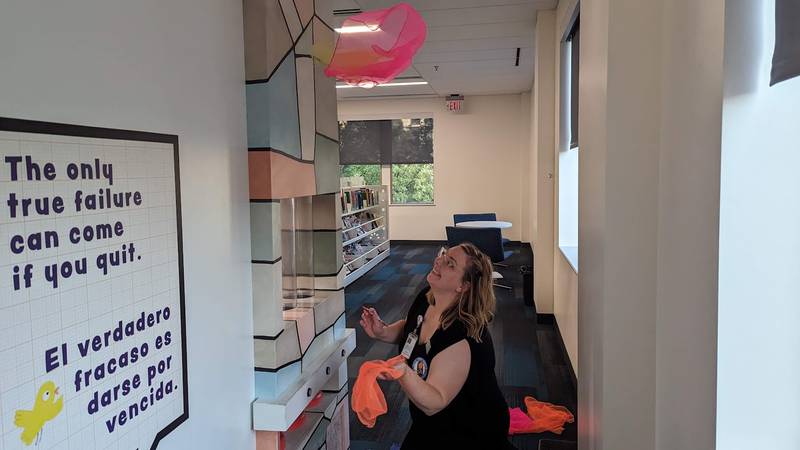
column 458, row 218
column 488, row 240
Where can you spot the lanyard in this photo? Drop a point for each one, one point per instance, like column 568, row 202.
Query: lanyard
column 412, row 339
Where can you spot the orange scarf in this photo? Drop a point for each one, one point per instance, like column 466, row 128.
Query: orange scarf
column 367, row 398
column 541, row 417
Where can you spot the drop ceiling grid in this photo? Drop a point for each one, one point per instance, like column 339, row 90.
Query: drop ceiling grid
column 473, row 42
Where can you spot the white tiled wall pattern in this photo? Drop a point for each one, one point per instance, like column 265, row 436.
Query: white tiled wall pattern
column 41, row 317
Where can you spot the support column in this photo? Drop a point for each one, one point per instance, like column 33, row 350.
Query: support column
column 650, row 118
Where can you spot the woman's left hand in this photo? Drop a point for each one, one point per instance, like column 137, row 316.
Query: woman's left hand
column 403, row 367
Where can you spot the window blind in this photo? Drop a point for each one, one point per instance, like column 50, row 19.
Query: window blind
column 396, row 141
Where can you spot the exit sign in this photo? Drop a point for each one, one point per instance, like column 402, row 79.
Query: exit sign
column 455, row 103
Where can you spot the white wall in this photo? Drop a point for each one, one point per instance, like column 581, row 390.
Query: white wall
column 650, row 115
column 543, row 133
column 565, row 287
column 478, row 160
column 759, row 285
column 172, row 67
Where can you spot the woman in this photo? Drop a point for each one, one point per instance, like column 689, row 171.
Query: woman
column 449, row 377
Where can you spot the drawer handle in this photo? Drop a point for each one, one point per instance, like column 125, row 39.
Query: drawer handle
column 343, row 352
column 308, row 392
column 327, row 371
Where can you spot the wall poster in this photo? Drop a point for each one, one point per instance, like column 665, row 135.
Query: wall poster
column 92, row 320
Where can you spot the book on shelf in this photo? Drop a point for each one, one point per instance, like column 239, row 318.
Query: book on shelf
column 353, row 200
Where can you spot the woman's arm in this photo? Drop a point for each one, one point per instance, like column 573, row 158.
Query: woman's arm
column 392, row 333
column 446, row 377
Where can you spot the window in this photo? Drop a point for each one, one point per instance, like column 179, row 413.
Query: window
column 568, row 147
column 371, row 173
column 404, row 147
column 412, row 183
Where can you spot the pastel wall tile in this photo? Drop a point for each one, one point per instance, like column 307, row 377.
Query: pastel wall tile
column 306, row 102
column 328, row 311
column 260, row 174
column 305, row 44
column 292, row 18
column 326, row 215
column 324, row 10
column 327, row 121
column 339, row 430
column 279, row 351
column 271, row 384
column 284, row 121
column 266, row 38
column 305, row 8
column 268, row 440
column 304, row 318
column 327, row 257
column 265, row 244
column 267, row 301
column 318, row 346
column 258, row 108
column 290, row 178
column 326, row 164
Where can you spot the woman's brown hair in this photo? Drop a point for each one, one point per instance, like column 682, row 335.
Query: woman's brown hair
column 476, row 306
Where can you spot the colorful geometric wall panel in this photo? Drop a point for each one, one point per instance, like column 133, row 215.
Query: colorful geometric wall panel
column 306, row 105
column 300, row 343
column 304, row 318
column 305, row 45
column 272, row 116
column 327, row 261
column 305, row 9
column 258, row 106
column 271, row 383
column 278, row 351
column 292, row 18
column 327, row 121
column 327, row 212
column 326, row 165
column 267, row 299
column 266, row 38
column 274, row 176
column 265, row 244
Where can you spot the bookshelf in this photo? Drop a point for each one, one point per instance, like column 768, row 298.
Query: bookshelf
column 365, row 229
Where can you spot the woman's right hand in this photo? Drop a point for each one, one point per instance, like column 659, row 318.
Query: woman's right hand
column 372, row 323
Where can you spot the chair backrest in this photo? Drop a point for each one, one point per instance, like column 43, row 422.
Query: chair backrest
column 458, row 218
column 488, row 240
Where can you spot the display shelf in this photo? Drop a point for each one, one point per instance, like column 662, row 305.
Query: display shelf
column 365, row 256
column 362, row 224
column 360, row 210
column 362, row 236
column 356, row 274
column 366, row 186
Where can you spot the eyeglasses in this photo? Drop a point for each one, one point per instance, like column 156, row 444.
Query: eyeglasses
column 451, row 263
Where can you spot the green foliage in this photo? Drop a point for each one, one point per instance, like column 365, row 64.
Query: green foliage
column 412, row 183
column 370, row 172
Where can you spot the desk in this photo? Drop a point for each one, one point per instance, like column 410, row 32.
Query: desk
column 485, row 224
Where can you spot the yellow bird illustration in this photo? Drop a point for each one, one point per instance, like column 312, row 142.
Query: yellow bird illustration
column 46, row 407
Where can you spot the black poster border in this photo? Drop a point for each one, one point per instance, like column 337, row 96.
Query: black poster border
column 38, row 127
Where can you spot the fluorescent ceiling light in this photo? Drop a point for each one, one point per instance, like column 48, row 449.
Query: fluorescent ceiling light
column 357, row 29
column 399, row 83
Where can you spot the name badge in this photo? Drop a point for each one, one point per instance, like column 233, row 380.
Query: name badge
column 411, row 342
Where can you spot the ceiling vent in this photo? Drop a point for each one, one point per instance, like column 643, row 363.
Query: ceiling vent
column 347, row 11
